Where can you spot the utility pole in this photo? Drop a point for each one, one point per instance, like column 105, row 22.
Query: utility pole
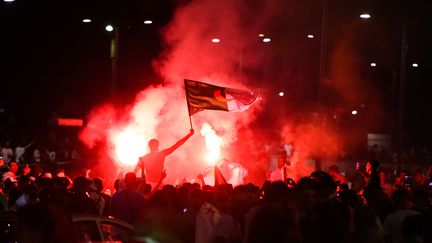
column 114, row 62
column 323, row 58
column 402, row 84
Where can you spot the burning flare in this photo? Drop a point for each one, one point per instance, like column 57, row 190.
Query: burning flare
column 213, row 143
column 128, row 146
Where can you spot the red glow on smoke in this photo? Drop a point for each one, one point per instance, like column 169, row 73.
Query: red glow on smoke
column 213, row 143
column 161, row 112
column 311, row 141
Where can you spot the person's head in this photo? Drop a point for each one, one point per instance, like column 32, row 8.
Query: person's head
column 197, row 198
column 13, row 167
column 401, row 199
column 418, row 176
column 326, row 184
column 371, row 166
column 98, row 184
column 364, row 220
column 382, row 176
column 333, row 170
column 81, row 184
column 282, row 159
column 131, row 180
column 153, row 145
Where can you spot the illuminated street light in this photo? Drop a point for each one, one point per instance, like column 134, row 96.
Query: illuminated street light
column 415, row 65
column 8, row 1
column 310, row 36
column 266, row 40
column 109, row 28
column 86, row 20
column 373, row 64
column 354, row 112
column 365, row 16
column 281, row 94
column 215, row 40
column 261, row 35
column 148, row 22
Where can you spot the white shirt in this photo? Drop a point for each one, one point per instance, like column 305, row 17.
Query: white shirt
column 7, row 154
column 206, row 220
column 36, row 156
column 393, row 222
column 19, row 152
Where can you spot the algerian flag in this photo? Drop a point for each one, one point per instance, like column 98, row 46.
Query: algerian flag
column 202, row 96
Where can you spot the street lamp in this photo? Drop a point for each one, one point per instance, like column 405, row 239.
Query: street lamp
column 365, row 16
column 109, row 28
column 86, row 21
column 148, row 22
column 114, row 58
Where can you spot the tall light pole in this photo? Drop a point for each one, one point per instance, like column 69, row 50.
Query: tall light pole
column 114, row 58
column 401, row 113
column 322, row 65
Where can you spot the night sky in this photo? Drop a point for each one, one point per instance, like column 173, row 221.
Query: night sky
column 53, row 63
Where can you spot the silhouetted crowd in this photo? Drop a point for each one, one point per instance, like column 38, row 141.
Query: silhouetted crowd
column 321, row 207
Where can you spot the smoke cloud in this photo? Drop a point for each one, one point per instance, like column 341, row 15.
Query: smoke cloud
column 240, row 60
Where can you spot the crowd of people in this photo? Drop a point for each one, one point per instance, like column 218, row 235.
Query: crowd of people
column 45, row 149
column 321, row 207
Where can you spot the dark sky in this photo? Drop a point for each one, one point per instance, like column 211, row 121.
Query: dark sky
column 52, row 62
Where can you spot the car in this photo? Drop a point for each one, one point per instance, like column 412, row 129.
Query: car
column 100, row 228
column 86, row 228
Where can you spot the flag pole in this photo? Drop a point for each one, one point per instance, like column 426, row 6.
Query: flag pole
column 187, row 101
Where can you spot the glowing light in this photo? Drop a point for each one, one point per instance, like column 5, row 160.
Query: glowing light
column 310, row 36
column 281, row 94
column 148, row 22
column 354, row 112
column 8, row 1
column 215, row 40
column 261, row 35
column 415, row 65
column 266, row 40
column 373, row 64
column 365, row 16
column 213, row 143
column 128, row 146
column 109, row 28
column 86, row 20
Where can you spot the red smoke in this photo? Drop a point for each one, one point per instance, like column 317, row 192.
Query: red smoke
column 240, row 60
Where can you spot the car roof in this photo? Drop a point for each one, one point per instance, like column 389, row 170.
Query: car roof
column 11, row 216
column 92, row 217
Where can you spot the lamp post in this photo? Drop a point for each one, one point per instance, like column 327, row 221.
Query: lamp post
column 402, row 84
column 322, row 65
column 114, row 58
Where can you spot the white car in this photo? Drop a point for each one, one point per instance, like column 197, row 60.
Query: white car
column 87, row 228
column 93, row 228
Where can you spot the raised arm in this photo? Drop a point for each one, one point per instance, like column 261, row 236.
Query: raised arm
column 28, row 145
column 178, row 143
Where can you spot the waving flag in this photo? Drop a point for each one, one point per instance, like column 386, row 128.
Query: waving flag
column 202, row 96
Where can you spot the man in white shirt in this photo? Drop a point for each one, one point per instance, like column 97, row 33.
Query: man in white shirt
column 392, row 224
column 7, row 153
column 20, row 151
